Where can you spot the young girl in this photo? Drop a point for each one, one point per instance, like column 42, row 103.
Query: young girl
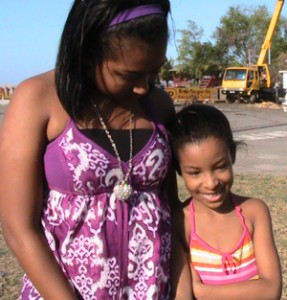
column 223, row 240
column 85, row 162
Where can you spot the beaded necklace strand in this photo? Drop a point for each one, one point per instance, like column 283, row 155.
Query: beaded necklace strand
column 122, row 189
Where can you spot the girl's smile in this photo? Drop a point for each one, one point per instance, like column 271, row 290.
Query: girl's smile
column 207, row 171
column 213, row 197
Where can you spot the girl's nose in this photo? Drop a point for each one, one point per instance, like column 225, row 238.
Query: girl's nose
column 211, row 181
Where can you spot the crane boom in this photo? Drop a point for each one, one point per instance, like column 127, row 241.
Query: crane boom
column 270, row 33
column 253, row 83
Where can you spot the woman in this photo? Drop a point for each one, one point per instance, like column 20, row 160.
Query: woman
column 86, row 176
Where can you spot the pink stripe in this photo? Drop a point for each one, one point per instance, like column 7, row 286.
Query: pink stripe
column 215, row 269
column 240, row 276
column 242, row 272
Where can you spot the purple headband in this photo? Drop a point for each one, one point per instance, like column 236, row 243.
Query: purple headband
column 136, row 12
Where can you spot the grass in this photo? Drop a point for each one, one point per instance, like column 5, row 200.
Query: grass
column 270, row 188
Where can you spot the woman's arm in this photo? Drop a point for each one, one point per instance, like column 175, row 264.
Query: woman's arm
column 181, row 281
column 165, row 111
column 22, row 143
column 268, row 286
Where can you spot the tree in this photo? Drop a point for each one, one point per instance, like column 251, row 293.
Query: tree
column 279, row 44
column 233, row 35
column 196, row 58
column 242, row 31
column 189, row 38
column 237, row 41
column 279, row 64
column 165, row 73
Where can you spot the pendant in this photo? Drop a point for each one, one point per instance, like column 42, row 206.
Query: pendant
column 123, row 190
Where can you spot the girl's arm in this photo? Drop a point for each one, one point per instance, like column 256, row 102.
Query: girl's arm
column 22, row 143
column 181, row 281
column 268, row 286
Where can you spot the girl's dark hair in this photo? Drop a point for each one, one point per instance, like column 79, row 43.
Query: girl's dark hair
column 197, row 122
column 87, row 40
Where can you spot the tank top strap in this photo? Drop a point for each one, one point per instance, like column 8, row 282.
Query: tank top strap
column 192, row 220
column 239, row 212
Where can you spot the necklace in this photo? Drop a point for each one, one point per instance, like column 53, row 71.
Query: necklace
column 122, row 189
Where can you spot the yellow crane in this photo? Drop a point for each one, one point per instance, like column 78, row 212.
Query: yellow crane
column 251, row 82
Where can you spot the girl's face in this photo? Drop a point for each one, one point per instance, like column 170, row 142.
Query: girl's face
column 207, row 172
column 129, row 74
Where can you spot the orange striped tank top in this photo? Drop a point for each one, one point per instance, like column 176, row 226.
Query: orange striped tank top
column 215, row 267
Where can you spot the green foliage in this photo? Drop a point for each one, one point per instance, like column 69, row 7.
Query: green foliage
column 165, row 73
column 197, row 58
column 278, row 64
column 243, row 31
column 233, row 34
column 237, row 40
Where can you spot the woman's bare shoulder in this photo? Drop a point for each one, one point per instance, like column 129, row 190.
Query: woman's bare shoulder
column 36, row 103
column 35, row 89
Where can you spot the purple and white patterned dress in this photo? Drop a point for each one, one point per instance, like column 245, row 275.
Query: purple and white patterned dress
column 108, row 248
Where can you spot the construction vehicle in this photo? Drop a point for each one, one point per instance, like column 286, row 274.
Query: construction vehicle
column 251, row 83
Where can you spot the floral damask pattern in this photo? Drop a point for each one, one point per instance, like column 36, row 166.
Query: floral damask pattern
column 107, row 248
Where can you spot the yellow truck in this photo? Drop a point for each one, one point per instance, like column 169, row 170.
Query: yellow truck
column 249, row 83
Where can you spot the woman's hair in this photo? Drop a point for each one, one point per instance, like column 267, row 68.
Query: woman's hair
column 87, row 40
column 197, row 122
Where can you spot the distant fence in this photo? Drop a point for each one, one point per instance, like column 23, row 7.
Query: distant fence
column 176, row 93
column 194, row 94
column 6, row 91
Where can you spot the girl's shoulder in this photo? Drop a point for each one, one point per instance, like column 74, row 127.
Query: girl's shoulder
column 251, row 207
column 248, row 202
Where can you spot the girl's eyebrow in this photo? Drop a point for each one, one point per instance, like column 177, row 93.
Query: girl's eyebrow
column 191, row 167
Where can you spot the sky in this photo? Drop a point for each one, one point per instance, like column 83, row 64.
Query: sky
column 30, row 30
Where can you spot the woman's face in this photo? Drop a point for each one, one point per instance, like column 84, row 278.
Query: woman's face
column 129, row 73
